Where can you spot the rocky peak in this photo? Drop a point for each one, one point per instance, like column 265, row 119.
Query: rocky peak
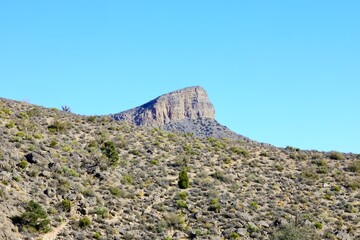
column 190, row 103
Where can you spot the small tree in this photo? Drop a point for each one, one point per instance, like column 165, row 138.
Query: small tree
column 111, row 153
column 66, row 108
column 35, row 218
column 183, row 179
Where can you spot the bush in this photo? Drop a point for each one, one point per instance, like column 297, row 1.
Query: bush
column 254, row 205
column 183, row 179
column 23, row 164
column 127, row 179
column 67, row 148
column 58, row 126
column 69, row 172
column 354, row 166
column 53, row 143
column 91, row 118
column 318, row 225
column 264, row 154
column 116, row 191
column 97, row 235
column 102, row 211
column 240, row 151
column 214, row 205
column 66, row 205
column 335, row 188
column 291, row 232
column 37, row 135
column 220, row 175
column 175, row 220
column 336, row 156
column 109, row 150
column 35, row 218
column 181, row 204
column 11, row 124
column 279, row 167
column 182, row 195
column 84, row 222
column 353, row 184
column 234, row 235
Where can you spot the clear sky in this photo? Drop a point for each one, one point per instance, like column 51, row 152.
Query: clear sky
column 281, row 72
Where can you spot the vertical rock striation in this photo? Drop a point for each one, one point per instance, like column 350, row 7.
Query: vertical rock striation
column 190, row 103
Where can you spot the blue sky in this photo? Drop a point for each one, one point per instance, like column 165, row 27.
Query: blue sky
column 281, row 72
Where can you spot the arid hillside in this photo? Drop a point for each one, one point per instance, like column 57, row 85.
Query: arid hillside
column 66, row 176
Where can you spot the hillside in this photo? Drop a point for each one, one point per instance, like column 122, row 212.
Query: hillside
column 187, row 110
column 66, row 176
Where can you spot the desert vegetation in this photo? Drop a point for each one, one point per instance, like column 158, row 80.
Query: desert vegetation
column 96, row 178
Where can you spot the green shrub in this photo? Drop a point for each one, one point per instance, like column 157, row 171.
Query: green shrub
column 335, row 188
column 34, row 112
column 102, row 211
column 67, row 148
column 336, row 155
column 154, row 162
column 84, row 222
column 354, row 166
column 183, row 181
column 234, row 235
column 88, row 192
column 58, row 126
column 127, row 179
column 254, row 205
column 109, row 150
column 215, row 205
column 264, row 154
column 181, row 204
column 220, row 175
column 182, row 195
column 53, row 143
column 279, row 167
column 322, row 170
column 318, row 225
column 23, row 164
column 24, row 115
column 175, row 220
column 69, row 172
column 135, row 152
column 240, row 151
column 309, row 175
column 91, row 118
column 116, row 191
column 66, row 205
column 291, row 232
column 34, row 219
column 7, row 111
column 353, row 184
column 97, row 235
column 11, row 124
column 320, row 162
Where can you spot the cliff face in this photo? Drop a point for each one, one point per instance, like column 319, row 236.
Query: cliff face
column 190, row 103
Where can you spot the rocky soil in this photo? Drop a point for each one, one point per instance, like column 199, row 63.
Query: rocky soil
column 97, row 178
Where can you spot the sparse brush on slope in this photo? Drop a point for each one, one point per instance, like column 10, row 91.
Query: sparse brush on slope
column 94, row 177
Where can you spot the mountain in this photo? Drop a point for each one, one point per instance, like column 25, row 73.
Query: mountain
column 187, row 110
column 190, row 103
column 67, row 176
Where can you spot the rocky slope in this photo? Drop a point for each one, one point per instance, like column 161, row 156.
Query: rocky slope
column 188, row 103
column 187, row 110
column 87, row 177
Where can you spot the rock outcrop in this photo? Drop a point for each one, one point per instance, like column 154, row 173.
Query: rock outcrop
column 190, row 103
